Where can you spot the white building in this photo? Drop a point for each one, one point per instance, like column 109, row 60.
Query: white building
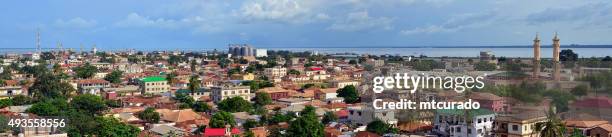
column 228, row 91
column 344, row 83
column 92, row 86
column 261, row 52
column 275, row 72
column 362, row 115
column 452, row 122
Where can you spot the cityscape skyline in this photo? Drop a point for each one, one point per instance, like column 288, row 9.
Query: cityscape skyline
column 286, row 23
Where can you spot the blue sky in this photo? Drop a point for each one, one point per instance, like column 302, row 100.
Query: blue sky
column 166, row 24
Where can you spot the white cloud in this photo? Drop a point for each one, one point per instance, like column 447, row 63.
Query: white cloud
column 457, row 22
column 358, row 21
column 77, row 22
column 134, row 20
column 285, row 11
column 428, row 29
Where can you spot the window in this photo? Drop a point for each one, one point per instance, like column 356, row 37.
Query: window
column 458, row 129
column 479, row 131
column 514, row 127
column 469, row 131
column 485, row 119
column 479, row 120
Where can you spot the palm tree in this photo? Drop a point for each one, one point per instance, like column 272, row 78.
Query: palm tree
column 170, row 77
column 553, row 127
column 194, row 83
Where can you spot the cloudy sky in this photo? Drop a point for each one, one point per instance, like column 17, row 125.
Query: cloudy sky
column 168, row 24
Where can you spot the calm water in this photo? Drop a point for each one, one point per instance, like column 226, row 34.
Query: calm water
column 455, row 52
column 431, row 52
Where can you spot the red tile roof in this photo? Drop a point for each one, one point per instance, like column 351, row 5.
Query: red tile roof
column 596, row 102
column 92, row 81
column 342, row 113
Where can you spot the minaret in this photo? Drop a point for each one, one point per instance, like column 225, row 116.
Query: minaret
column 536, row 48
column 556, row 46
column 536, row 57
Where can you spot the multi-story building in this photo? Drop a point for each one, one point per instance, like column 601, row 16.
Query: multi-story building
column 275, row 72
column 261, row 53
column 362, row 115
column 10, row 88
column 276, row 92
column 154, row 85
column 344, row 83
column 518, row 125
column 92, row 86
column 225, row 91
column 455, row 122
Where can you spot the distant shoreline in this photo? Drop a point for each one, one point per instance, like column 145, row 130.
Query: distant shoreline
column 330, row 47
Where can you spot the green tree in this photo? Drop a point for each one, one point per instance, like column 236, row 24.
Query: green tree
column 262, row 99
column 44, row 108
column 568, row 55
column 194, row 83
column 193, row 65
column 85, row 71
column 293, row 72
column 553, row 127
column 307, row 125
column 379, row 127
column 46, row 86
column 580, row 90
column 349, row 93
column 329, row 117
column 4, row 127
column 170, row 77
column 484, row 66
column 222, row 118
column 6, row 102
column 185, row 99
column 149, row 115
column 234, row 104
column 112, row 127
column 200, row 107
column 21, row 100
column 90, row 104
column 250, row 123
column 114, row 77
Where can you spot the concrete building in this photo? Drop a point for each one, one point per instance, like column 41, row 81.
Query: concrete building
column 261, row 53
column 519, row 124
column 225, row 91
column 453, row 122
column 275, row 72
column 92, row 86
column 362, row 115
column 344, row 83
column 154, row 85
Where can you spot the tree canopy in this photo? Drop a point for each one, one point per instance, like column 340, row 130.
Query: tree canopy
column 234, row 104
column 149, row 115
column 306, row 125
column 85, row 71
column 349, row 93
column 222, row 118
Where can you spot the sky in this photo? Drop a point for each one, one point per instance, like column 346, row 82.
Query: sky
column 195, row 24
